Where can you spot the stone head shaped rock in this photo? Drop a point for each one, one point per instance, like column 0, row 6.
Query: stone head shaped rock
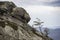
column 21, row 12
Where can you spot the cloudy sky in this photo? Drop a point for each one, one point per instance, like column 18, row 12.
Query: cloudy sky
column 46, row 10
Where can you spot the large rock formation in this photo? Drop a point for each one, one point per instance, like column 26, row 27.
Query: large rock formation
column 20, row 12
column 13, row 24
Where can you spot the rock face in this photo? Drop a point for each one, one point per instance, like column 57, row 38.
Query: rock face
column 13, row 24
column 7, row 6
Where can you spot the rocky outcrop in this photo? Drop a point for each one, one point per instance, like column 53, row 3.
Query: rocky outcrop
column 20, row 12
column 14, row 24
column 7, row 6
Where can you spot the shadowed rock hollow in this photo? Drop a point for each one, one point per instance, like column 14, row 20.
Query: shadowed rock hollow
column 14, row 24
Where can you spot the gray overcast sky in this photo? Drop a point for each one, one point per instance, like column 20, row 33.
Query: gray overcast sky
column 47, row 10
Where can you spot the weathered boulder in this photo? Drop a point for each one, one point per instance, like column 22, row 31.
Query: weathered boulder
column 20, row 12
